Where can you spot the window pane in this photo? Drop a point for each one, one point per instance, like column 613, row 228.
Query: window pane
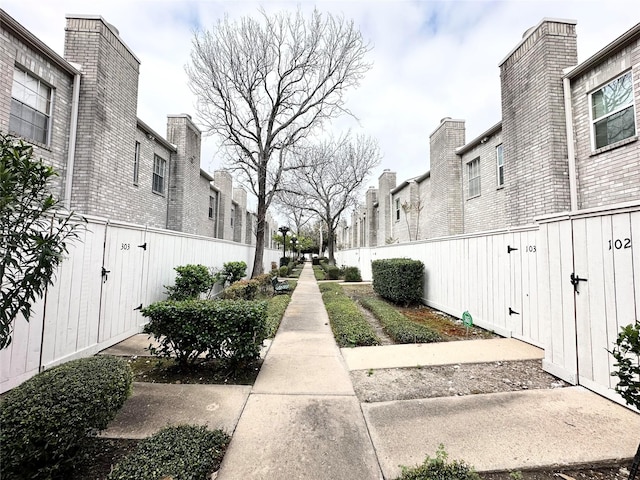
column 614, row 128
column 612, row 96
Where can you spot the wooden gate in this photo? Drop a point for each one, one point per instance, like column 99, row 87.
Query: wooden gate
column 592, row 285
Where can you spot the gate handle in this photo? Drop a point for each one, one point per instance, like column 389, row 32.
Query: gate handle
column 105, row 274
column 575, row 281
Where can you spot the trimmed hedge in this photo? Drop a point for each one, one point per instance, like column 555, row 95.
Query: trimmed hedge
column 224, row 329
column 275, row 310
column 397, row 326
column 348, row 324
column 46, row 420
column 332, row 272
column 352, row 274
column 399, row 280
column 183, row 452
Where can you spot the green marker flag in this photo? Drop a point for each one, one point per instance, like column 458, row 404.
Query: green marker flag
column 466, row 319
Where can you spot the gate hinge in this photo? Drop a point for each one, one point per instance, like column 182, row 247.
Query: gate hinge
column 510, row 249
column 143, row 246
column 512, row 312
column 139, row 307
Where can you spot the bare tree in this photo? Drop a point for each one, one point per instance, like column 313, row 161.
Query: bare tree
column 294, row 208
column 263, row 85
column 330, row 176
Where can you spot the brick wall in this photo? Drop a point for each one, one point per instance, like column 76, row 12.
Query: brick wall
column 386, row 183
column 14, row 51
column 533, row 121
column 486, row 211
column 611, row 174
column 107, row 117
column 224, row 184
column 371, row 197
column 445, row 204
column 239, row 224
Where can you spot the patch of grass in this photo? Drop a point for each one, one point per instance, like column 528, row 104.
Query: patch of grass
column 396, row 325
column 318, row 272
column 348, row 324
column 275, row 310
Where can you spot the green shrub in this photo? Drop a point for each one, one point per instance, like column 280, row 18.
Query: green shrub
column 440, row 469
column 348, row 324
column 399, row 280
column 275, row 310
column 627, row 355
column 265, row 287
column 46, row 420
column 224, row 329
column 397, row 326
column 318, row 272
column 241, row 290
column 191, row 281
column 332, row 272
column 283, row 271
column 231, row 273
column 183, row 452
column 352, row 274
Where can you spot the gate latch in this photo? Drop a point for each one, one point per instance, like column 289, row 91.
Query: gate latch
column 575, row 281
column 105, row 274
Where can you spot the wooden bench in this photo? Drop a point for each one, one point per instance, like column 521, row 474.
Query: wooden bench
column 280, row 287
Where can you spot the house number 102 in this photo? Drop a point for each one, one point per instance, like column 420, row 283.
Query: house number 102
column 620, row 243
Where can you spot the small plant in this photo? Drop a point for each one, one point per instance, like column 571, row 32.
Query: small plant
column 283, row 271
column 46, row 420
column 231, row 272
column 370, row 372
column 516, row 475
column 352, row 274
column 191, row 281
column 440, row 468
column 627, row 355
column 183, row 452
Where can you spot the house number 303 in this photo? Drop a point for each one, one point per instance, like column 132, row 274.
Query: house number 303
column 619, row 243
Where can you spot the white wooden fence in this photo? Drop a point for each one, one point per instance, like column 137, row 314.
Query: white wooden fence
column 95, row 302
column 520, row 283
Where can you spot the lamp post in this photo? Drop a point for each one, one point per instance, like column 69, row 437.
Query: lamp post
column 284, row 231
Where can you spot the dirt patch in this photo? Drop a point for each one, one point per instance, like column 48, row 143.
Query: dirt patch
column 451, row 380
column 100, row 455
column 596, row 472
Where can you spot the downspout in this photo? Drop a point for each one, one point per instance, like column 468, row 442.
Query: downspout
column 73, row 134
column 571, row 154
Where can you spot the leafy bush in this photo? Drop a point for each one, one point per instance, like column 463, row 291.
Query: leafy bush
column 332, row 272
column 348, row 324
column 275, row 310
column 192, row 280
column 46, row 420
column 183, row 452
column 224, row 329
column 283, row 271
column 440, row 469
column 35, row 231
column 265, row 287
column 627, row 355
column 397, row 326
column 352, row 274
column 231, row 273
column 241, row 290
column 399, row 280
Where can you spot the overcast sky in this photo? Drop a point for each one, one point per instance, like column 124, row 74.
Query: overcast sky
column 430, row 59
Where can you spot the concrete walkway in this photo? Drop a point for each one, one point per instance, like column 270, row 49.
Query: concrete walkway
column 302, row 420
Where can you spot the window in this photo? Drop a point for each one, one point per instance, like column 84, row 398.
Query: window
column 213, row 203
column 500, row 165
column 136, row 163
column 30, row 107
column 159, row 165
column 473, row 168
column 397, row 209
column 233, row 214
column 612, row 112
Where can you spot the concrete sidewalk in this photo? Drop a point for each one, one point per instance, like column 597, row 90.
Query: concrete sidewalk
column 302, row 420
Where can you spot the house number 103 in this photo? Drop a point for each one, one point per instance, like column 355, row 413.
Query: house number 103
column 620, row 243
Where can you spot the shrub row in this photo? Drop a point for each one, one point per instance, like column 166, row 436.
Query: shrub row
column 46, row 420
column 275, row 310
column 397, row 326
column 318, row 272
column 183, row 452
column 224, row 329
column 348, row 324
column 399, row 280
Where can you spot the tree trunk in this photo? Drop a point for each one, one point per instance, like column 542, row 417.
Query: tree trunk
column 330, row 243
column 258, row 260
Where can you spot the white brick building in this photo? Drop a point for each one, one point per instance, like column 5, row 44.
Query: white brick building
column 568, row 140
column 80, row 114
